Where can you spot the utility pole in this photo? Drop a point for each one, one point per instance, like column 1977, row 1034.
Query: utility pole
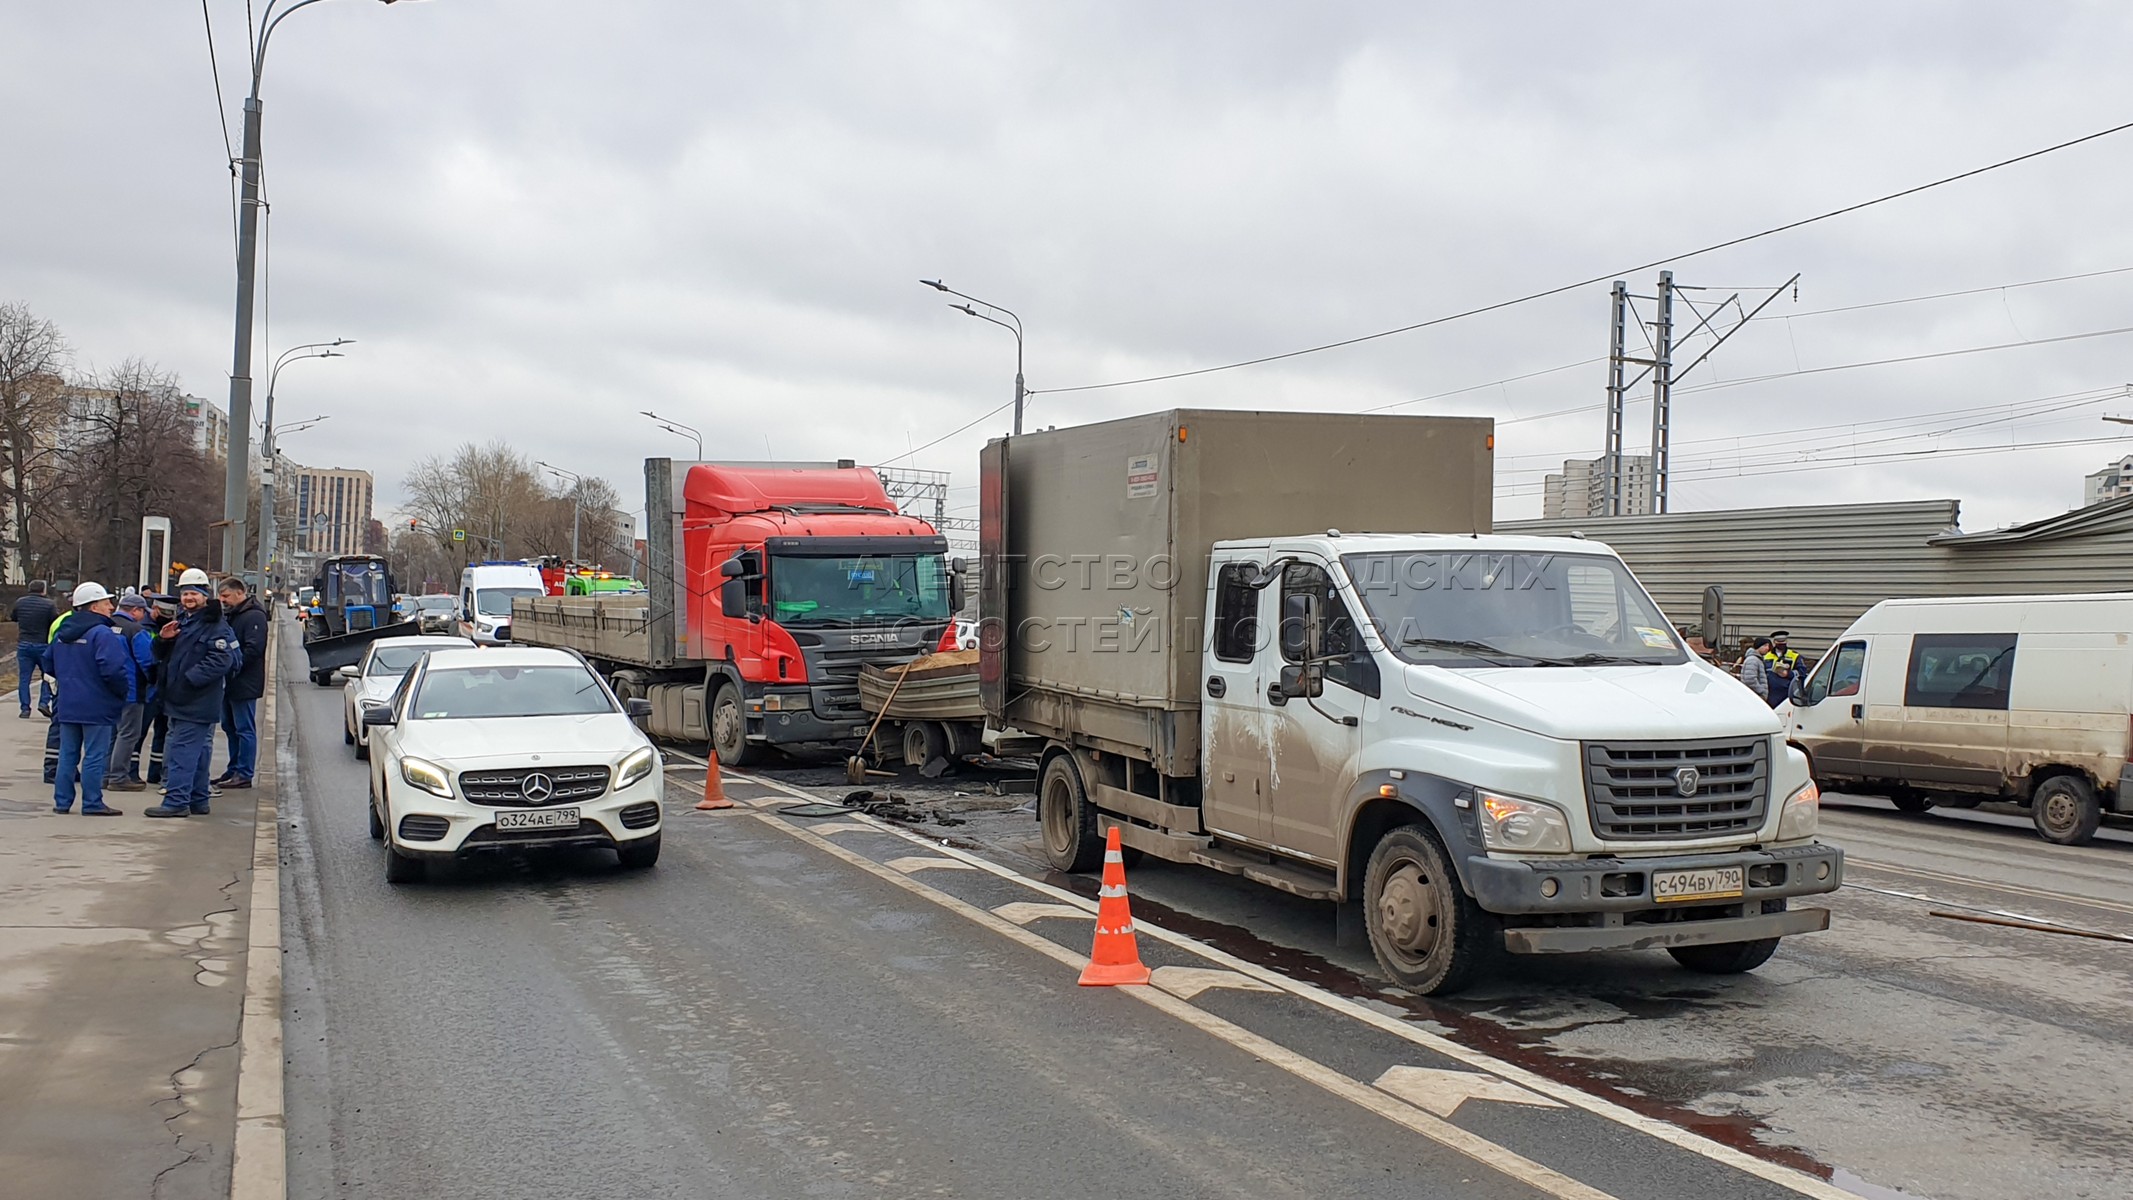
column 1617, row 328
column 236, row 480
column 1662, row 389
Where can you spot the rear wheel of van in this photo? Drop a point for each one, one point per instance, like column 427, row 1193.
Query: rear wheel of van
column 1726, row 958
column 2065, row 810
column 729, row 728
column 1427, row 934
column 1066, row 818
column 1911, row 802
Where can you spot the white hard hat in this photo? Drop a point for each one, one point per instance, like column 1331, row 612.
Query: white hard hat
column 195, row 577
column 90, row 593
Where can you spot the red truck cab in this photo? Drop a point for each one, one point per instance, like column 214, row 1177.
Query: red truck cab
column 796, row 578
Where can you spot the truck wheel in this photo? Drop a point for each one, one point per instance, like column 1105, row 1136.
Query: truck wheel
column 924, row 741
column 1725, row 958
column 1427, row 934
column 729, row 729
column 1066, row 818
column 2065, row 810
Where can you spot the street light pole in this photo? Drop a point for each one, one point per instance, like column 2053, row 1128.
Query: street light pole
column 1020, row 391
column 236, row 481
column 269, row 527
column 673, row 426
column 577, row 496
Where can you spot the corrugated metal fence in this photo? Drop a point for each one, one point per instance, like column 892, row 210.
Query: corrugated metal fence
column 1813, row 570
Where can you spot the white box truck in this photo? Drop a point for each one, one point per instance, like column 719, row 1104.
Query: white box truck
column 1286, row 646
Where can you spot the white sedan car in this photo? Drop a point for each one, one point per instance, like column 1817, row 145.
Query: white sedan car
column 506, row 749
column 377, row 677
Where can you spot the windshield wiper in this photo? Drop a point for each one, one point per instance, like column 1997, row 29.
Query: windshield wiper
column 1596, row 658
column 1467, row 644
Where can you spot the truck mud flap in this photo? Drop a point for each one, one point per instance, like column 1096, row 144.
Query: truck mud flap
column 1585, row 939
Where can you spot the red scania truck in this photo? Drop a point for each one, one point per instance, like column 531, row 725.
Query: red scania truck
column 769, row 587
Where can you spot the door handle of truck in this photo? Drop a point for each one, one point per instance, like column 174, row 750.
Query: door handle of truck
column 1858, row 711
column 1215, row 686
column 1275, row 696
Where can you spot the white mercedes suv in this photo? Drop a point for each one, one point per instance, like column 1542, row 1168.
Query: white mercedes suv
column 509, row 748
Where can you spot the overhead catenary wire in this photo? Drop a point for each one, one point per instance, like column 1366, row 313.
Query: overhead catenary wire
column 1603, row 277
column 222, row 114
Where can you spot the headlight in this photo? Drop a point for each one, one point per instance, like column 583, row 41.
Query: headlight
column 1802, row 811
column 638, row 765
column 426, row 775
column 1529, row 825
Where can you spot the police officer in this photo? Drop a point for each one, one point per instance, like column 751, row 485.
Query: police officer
column 1778, row 653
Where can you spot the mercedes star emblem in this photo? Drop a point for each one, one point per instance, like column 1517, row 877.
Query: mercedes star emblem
column 539, row 787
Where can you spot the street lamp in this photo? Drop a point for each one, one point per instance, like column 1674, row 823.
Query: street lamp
column 268, row 526
column 672, row 426
column 1016, row 329
column 236, row 481
column 577, row 494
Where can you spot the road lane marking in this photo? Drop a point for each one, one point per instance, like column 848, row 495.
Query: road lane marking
column 1188, row 982
column 844, row 827
column 1963, row 881
column 1497, row 1158
column 1022, row 912
column 928, row 862
column 1442, row 1092
column 1792, row 1180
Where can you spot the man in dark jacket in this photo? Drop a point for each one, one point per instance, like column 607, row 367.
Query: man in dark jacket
column 196, row 651
column 95, row 670
column 240, row 700
column 124, row 774
column 33, row 615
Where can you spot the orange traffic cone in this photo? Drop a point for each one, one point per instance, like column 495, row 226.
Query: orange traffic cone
column 1116, row 958
column 714, row 788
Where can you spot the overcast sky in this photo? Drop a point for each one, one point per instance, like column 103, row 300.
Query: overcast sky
column 538, row 217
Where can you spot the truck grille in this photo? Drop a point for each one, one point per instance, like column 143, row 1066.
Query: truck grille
column 834, row 675
column 507, row 788
column 1636, row 789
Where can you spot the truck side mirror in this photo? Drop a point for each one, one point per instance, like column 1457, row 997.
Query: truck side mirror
column 1714, row 616
column 733, row 597
column 733, row 568
column 955, row 594
column 1299, row 680
column 1301, row 635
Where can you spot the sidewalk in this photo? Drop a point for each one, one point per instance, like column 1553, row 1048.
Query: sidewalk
column 122, row 977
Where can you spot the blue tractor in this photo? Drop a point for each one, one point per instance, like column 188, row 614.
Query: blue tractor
column 353, row 608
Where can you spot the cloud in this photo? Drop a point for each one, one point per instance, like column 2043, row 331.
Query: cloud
column 538, row 218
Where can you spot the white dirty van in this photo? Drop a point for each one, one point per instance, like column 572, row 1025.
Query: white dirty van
column 486, row 591
column 2021, row 698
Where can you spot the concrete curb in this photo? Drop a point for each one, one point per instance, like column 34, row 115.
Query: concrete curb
column 260, row 1159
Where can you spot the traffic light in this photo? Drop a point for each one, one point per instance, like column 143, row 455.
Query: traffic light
column 412, row 523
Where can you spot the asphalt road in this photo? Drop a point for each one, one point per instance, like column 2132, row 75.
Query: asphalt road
column 775, row 1013
column 1900, row 1053
column 791, row 1006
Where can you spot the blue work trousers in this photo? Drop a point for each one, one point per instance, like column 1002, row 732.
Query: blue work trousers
column 84, row 751
column 185, row 759
column 30, row 658
column 240, row 720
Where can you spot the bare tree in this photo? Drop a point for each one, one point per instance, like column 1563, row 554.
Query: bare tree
column 32, row 355
column 125, row 449
column 497, row 496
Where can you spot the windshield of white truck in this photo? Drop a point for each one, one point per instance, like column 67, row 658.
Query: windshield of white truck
column 496, row 602
column 1511, row 610
column 849, row 589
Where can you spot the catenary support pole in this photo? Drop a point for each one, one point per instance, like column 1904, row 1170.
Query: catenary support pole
column 1662, row 389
